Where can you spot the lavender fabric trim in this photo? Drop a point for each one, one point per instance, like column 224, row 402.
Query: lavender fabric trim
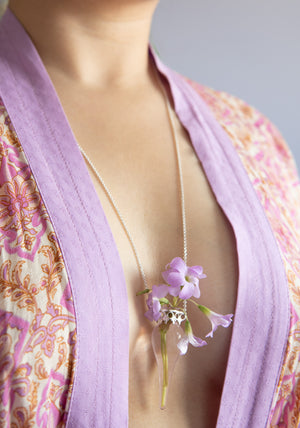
column 99, row 398
column 261, row 321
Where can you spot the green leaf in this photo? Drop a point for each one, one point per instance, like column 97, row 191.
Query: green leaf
column 139, row 293
column 164, row 301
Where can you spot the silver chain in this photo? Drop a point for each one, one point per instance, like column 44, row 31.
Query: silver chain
column 181, row 189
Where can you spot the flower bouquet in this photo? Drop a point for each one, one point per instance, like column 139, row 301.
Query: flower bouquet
column 167, row 307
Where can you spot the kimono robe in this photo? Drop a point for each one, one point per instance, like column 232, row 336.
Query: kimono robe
column 64, row 321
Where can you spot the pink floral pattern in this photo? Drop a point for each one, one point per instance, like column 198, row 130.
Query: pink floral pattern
column 23, row 218
column 37, row 321
column 274, row 175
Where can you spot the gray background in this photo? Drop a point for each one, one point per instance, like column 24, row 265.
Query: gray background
column 247, row 48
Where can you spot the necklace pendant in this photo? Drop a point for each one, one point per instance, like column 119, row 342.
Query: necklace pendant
column 167, row 306
column 165, row 338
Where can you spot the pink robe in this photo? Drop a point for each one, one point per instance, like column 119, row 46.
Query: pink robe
column 64, row 321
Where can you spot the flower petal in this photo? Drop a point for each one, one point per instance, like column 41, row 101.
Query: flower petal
column 178, row 264
column 174, row 291
column 156, row 316
column 194, row 280
column 196, row 341
column 182, row 345
column 149, row 315
column 165, row 275
column 187, row 291
column 196, row 293
column 156, row 306
column 149, row 301
column 160, row 291
column 195, row 271
column 175, row 279
column 218, row 319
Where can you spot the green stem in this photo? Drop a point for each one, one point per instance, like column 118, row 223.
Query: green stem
column 175, row 300
column 190, row 300
column 164, row 354
column 202, row 308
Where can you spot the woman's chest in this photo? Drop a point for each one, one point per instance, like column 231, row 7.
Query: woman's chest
column 149, row 202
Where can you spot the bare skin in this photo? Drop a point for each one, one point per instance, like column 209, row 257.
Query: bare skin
column 115, row 92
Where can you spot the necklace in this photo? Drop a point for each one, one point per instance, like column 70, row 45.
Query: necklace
column 181, row 188
column 167, row 302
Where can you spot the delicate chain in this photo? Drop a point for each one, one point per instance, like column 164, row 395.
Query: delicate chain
column 181, row 189
column 179, row 170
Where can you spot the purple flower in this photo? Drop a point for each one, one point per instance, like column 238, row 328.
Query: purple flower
column 183, row 280
column 189, row 338
column 216, row 319
column 153, row 303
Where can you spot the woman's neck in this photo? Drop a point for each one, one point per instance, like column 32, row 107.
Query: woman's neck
column 101, row 44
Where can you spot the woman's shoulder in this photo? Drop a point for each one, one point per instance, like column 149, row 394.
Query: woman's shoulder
column 251, row 127
column 262, row 148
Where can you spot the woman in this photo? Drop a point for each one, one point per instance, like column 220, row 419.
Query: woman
column 75, row 344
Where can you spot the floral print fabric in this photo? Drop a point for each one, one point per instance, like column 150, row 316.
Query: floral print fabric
column 37, row 319
column 37, row 322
